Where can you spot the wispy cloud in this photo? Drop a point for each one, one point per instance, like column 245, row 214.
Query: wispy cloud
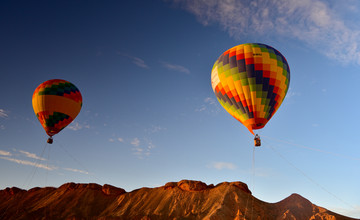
column 139, row 62
column 210, row 100
column 143, row 150
column 76, row 170
column 3, row 114
column 5, row 153
column 141, row 147
column 222, row 166
column 175, row 67
column 135, row 142
column 116, row 139
column 31, row 155
column 154, row 129
column 135, row 60
column 317, row 23
column 15, row 158
column 291, row 93
column 29, row 163
column 75, row 126
column 209, row 104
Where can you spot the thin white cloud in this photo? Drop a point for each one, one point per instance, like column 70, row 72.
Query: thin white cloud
column 135, row 60
column 175, row 67
column 29, row 163
column 5, row 153
column 222, row 166
column 209, row 104
column 139, row 62
column 76, row 170
column 138, row 151
column 142, row 149
column 210, row 100
column 154, row 129
column 2, row 127
column 201, row 108
column 317, row 23
column 31, row 155
column 291, row 93
column 135, row 142
column 75, row 126
column 150, row 145
column 112, row 140
column 3, row 114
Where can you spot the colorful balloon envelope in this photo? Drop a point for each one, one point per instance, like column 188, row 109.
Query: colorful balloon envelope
column 56, row 104
column 250, row 81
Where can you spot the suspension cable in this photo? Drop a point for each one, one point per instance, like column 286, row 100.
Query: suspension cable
column 79, row 163
column 252, row 186
column 313, row 149
column 307, row 176
column 31, row 175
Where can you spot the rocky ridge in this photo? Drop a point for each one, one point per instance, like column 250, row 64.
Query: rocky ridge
column 185, row 199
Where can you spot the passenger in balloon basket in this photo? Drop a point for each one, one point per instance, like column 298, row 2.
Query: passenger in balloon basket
column 257, row 141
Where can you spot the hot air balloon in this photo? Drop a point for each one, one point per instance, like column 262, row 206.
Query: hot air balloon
column 250, row 81
column 56, row 104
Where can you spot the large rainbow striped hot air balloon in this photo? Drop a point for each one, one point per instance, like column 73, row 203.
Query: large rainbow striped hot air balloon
column 56, row 103
column 250, row 81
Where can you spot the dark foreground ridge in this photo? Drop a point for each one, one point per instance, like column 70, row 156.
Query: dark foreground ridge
column 175, row 200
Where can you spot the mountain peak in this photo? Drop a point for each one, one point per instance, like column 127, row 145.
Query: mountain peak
column 186, row 199
column 106, row 189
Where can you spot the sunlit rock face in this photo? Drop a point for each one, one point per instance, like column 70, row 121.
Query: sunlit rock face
column 185, row 199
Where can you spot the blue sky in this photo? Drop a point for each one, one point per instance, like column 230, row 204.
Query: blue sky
column 149, row 114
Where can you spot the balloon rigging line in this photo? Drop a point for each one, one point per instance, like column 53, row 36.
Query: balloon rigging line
column 30, row 177
column 34, row 170
column 47, row 165
column 78, row 162
column 307, row 176
column 252, row 187
column 47, row 194
column 314, row 149
column 253, row 181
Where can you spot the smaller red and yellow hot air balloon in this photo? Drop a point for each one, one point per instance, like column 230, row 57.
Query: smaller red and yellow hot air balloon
column 56, row 104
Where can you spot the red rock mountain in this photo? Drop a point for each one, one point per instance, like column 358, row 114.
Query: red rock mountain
column 176, row 200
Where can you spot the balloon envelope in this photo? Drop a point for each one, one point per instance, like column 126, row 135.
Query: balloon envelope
column 56, row 103
column 250, row 81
